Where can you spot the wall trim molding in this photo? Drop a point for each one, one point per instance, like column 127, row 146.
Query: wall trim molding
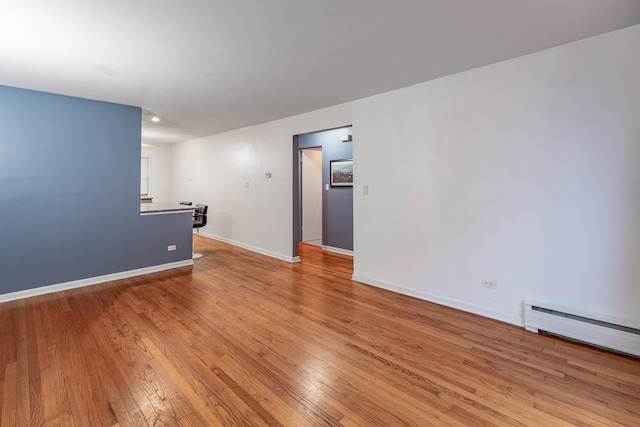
column 337, row 250
column 250, row 248
column 448, row 302
column 28, row 293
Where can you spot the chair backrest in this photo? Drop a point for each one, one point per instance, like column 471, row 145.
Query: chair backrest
column 200, row 216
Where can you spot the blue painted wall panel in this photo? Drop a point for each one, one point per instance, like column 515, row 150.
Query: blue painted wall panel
column 69, row 193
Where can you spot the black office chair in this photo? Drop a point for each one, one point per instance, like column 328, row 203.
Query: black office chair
column 199, row 221
column 200, row 216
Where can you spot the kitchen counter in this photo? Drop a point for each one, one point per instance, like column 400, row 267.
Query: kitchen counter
column 163, row 208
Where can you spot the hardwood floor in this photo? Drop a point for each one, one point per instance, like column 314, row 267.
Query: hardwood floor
column 243, row 339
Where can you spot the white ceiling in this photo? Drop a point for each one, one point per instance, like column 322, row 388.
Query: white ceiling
column 207, row 66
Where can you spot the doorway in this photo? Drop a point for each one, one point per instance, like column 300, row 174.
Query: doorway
column 311, row 195
column 335, row 206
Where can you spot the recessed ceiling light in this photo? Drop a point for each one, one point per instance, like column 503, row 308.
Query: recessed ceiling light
column 155, row 119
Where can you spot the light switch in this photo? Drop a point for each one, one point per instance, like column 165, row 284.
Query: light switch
column 326, row 187
column 365, row 189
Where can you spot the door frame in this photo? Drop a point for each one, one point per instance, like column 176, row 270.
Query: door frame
column 304, row 189
column 297, row 190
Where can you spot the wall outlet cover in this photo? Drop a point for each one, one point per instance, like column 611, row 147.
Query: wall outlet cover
column 489, row 284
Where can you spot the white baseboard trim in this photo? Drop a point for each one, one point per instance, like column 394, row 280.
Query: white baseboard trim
column 448, row 302
column 91, row 281
column 251, row 248
column 337, row 250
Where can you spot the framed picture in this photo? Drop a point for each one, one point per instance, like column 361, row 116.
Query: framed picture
column 341, row 172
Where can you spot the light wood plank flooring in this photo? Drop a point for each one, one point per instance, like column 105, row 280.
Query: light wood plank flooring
column 243, row 339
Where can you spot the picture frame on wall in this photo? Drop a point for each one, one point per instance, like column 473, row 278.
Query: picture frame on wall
column 341, row 173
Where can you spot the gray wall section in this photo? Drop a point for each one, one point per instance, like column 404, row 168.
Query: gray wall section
column 337, row 202
column 70, row 196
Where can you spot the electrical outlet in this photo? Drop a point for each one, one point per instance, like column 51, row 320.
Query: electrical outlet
column 489, row 284
column 171, row 248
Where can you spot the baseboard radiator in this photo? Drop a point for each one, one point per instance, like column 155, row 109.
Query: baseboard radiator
column 614, row 334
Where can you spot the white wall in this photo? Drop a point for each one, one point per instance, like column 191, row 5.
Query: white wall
column 311, row 172
column 215, row 171
column 525, row 172
column 160, row 168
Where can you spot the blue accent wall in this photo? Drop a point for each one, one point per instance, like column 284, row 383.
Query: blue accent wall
column 70, row 193
column 337, row 202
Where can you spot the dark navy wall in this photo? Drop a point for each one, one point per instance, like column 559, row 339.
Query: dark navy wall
column 69, row 193
column 337, row 202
